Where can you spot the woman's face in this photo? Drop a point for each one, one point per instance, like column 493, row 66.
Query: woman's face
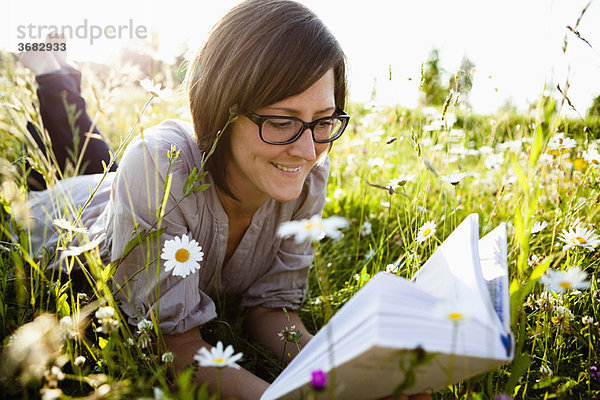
column 257, row 170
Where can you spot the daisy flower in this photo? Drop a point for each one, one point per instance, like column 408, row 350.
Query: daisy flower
column 155, row 90
column 592, row 157
column 579, row 237
column 453, row 179
column 452, row 311
column 182, row 255
column 560, row 142
column 313, row 229
column 427, row 230
column 375, row 162
column 74, row 251
column 217, row 357
column 538, row 227
column 366, row 228
column 562, row 281
column 494, row 161
column 65, row 225
column 401, row 180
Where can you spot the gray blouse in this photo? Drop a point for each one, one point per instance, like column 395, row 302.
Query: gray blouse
column 264, row 270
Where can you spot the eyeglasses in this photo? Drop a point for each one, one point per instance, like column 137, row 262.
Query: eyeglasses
column 275, row 129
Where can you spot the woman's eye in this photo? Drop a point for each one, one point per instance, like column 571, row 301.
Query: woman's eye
column 278, row 124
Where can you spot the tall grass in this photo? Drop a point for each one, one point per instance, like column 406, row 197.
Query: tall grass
column 513, row 176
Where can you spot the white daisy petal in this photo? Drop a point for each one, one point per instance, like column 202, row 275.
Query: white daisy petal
column 182, row 256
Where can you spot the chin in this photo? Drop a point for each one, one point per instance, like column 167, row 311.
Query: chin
column 288, row 195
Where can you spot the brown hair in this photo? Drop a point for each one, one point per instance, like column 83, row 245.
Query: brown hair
column 259, row 53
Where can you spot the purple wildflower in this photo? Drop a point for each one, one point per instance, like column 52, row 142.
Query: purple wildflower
column 594, row 373
column 319, row 379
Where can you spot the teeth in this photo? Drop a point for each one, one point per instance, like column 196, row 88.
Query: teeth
column 281, row 167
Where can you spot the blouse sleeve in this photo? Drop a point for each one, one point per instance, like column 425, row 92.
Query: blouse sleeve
column 140, row 281
column 285, row 283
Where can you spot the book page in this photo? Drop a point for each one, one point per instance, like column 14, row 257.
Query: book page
column 453, row 273
column 494, row 267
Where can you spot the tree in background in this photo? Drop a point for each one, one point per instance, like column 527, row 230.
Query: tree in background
column 434, row 93
column 462, row 81
column 594, row 110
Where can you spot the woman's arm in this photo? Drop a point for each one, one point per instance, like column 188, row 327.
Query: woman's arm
column 265, row 323
column 237, row 383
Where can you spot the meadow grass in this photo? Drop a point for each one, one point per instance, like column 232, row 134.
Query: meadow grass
column 515, row 173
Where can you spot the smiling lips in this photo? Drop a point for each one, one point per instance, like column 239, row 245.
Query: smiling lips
column 287, row 169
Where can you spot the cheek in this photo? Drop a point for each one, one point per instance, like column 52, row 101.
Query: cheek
column 321, row 148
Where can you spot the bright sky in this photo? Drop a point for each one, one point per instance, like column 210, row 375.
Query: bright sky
column 515, row 44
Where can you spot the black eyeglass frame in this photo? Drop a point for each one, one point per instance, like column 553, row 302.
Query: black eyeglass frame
column 260, row 119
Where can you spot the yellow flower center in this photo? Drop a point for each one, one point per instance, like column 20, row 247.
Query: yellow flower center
column 311, row 225
column 182, row 255
column 219, row 360
column 565, row 285
column 426, row 232
column 455, row 316
column 579, row 240
column 579, row 164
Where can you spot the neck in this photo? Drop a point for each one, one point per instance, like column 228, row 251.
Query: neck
column 239, row 208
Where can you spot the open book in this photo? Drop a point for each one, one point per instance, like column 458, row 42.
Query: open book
column 370, row 342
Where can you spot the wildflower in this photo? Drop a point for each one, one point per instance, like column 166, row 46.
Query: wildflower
column 168, row 357
column 51, row 393
column 562, row 281
column 494, row 161
column 594, row 373
column 32, row 347
column 369, row 254
column 183, row 256
column 53, row 375
column 338, row 194
column 592, row 157
column 144, row 326
column 67, row 328
column 65, row 225
column 391, row 268
column 546, row 301
column 545, row 369
column 144, row 340
column 538, row 227
column 426, row 231
column 375, row 162
column 366, row 228
column 79, row 361
column 289, row 334
column 562, row 317
column 313, row 229
column 452, row 311
column 217, row 357
column 502, row 396
column 579, row 237
column 155, row 90
column 318, row 379
column 587, row 320
column 401, row 180
column 453, row 179
column 129, row 342
column 74, row 251
column 107, row 323
column 561, row 143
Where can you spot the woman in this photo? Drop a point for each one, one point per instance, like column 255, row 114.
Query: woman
column 275, row 67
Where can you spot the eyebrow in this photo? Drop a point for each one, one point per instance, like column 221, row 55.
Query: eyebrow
column 293, row 111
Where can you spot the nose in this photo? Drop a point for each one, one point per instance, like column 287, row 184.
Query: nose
column 304, row 146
